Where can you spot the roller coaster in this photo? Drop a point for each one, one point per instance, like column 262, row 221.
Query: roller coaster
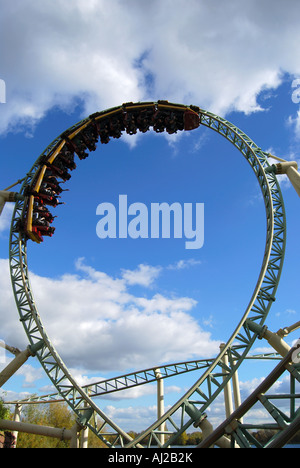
column 33, row 219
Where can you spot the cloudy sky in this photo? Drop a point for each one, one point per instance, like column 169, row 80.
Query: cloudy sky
column 114, row 305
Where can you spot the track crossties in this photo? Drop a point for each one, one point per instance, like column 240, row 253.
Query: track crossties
column 32, row 219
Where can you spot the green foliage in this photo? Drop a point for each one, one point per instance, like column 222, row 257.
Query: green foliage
column 53, row 415
column 263, row 436
column 194, row 439
column 181, row 439
column 59, row 415
column 4, row 412
column 95, row 442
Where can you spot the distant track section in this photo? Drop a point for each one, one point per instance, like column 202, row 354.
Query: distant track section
column 135, row 379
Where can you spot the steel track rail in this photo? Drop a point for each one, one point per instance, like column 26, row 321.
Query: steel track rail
column 190, row 408
column 135, row 379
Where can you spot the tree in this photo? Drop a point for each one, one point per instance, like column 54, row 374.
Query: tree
column 6, row 438
column 181, row 439
column 4, row 412
column 194, row 438
column 53, row 415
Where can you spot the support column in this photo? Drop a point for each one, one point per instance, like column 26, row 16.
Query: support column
column 236, row 391
column 6, row 196
column 273, row 339
column 74, row 440
column 160, row 403
column 227, row 388
column 84, row 440
column 17, row 418
column 18, row 362
column 14, row 365
column 207, row 429
column 63, row 434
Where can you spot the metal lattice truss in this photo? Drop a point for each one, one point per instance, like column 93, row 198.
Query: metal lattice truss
column 192, row 406
column 283, row 424
column 127, row 381
column 135, row 379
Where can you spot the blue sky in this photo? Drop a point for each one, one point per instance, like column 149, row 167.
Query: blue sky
column 116, row 305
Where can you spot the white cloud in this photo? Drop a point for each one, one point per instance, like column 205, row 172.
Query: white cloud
column 5, row 217
column 104, row 54
column 31, row 375
column 11, row 395
column 144, row 275
column 294, row 122
column 182, row 264
column 96, row 323
column 133, row 418
column 290, row 312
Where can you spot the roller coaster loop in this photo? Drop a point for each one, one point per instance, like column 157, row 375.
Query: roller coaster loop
column 32, row 220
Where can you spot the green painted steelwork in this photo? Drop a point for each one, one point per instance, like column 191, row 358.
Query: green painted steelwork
column 204, row 392
column 283, row 425
column 138, row 378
